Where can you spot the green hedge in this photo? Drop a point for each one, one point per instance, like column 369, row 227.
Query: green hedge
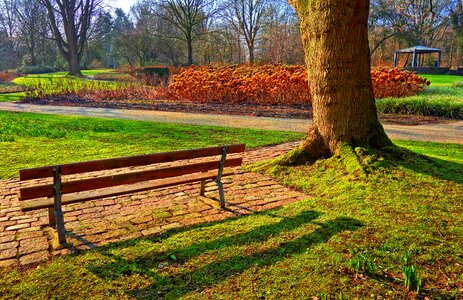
column 422, row 107
column 36, row 70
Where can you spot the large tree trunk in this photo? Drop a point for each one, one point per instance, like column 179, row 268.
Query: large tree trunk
column 251, row 53
column 74, row 63
column 335, row 38
column 189, row 41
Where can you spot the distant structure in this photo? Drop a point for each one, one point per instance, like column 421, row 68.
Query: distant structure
column 419, row 53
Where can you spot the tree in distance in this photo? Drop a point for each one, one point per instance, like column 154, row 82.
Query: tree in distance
column 70, row 23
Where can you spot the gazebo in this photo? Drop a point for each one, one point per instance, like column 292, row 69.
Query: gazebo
column 418, row 55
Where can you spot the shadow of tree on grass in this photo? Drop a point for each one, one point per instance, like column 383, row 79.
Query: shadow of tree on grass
column 190, row 278
column 424, row 164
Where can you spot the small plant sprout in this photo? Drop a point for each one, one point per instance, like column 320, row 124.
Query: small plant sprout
column 412, row 280
column 363, row 265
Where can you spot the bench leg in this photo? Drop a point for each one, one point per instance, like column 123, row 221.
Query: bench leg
column 221, row 194
column 56, row 220
column 51, row 217
column 60, row 226
column 203, row 188
column 58, row 212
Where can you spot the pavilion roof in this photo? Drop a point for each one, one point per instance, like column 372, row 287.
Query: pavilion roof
column 419, row 49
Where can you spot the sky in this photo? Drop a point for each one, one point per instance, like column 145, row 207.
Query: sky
column 124, row 4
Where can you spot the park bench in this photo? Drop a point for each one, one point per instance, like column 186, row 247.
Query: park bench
column 35, row 195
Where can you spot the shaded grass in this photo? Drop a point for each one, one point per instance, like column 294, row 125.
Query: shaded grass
column 32, row 140
column 444, row 98
column 301, row 250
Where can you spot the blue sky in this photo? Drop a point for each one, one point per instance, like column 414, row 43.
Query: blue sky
column 124, row 4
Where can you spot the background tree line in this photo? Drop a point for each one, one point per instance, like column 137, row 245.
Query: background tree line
column 170, row 32
column 74, row 34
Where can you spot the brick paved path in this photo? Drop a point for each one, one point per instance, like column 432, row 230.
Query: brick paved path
column 25, row 238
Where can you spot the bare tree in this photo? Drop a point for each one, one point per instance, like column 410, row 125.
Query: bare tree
column 247, row 17
column 281, row 38
column 188, row 17
column 417, row 22
column 70, row 22
column 8, row 19
column 8, row 31
column 457, row 24
column 33, row 28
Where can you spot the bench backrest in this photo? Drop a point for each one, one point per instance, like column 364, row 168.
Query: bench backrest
column 46, row 190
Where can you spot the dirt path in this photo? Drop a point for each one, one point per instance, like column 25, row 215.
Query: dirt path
column 451, row 132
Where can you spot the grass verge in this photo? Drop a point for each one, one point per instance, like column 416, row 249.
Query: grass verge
column 31, row 140
column 51, row 83
column 444, row 98
column 357, row 238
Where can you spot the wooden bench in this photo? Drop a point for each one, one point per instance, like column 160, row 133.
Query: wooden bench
column 52, row 196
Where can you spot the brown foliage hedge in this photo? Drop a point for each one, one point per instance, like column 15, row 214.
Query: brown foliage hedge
column 274, row 84
column 7, row 76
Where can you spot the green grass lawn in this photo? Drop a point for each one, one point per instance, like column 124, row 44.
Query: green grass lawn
column 10, row 91
column 443, row 80
column 11, row 97
column 52, row 82
column 31, row 140
column 349, row 241
column 444, row 98
column 65, row 73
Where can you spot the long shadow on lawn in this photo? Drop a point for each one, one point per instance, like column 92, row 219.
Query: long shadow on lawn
column 426, row 165
column 190, row 278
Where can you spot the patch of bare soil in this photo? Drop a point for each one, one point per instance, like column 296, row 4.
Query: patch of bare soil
column 291, row 112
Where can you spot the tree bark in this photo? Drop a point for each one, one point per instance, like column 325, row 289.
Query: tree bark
column 335, row 39
column 74, row 64
column 190, row 51
column 251, row 53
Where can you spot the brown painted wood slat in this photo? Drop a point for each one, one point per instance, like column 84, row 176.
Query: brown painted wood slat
column 121, row 179
column 140, row 160
column 86, row 196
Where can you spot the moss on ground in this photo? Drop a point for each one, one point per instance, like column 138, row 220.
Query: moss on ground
column 347, row 240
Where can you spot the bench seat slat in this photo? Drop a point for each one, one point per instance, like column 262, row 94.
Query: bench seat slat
column 86, row 196
column 115, row 163
column 121, row 179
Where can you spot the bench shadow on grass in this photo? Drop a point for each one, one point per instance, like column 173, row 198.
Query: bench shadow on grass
column 176, row 285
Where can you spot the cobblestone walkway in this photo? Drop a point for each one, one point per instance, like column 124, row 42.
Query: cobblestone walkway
column 25, row 238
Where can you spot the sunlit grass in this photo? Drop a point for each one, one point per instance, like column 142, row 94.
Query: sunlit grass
column 444, row 98
column 303, row 250
column 32, row 140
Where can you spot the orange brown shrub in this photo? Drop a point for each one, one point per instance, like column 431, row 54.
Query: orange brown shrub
column 268, row 84
column 274, row 84
column 392, row 82
column 7, row 76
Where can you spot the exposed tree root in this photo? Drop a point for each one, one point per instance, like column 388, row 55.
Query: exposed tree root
column 310, row 150
column 358, row 160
